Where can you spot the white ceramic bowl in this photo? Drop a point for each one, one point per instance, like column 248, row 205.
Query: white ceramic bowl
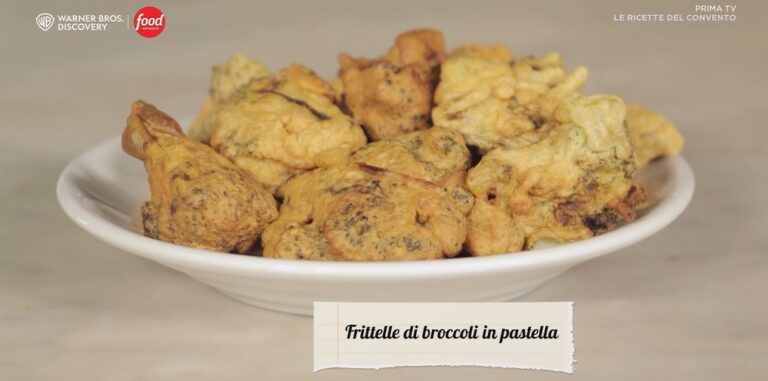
column 102, row 189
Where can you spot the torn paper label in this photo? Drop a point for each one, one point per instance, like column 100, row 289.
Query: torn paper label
column 382, row 335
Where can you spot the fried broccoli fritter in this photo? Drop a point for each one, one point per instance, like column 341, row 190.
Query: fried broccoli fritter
column 437, row 155
column 198, row 197
column 225, row 80
column 493, row 53
column 575, row 182
column 362, row 213
column 277, row 127
column 652, row 135
column 496, row 102
column 393, row 95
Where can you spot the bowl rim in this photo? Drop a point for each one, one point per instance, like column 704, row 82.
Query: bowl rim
column 70, row 196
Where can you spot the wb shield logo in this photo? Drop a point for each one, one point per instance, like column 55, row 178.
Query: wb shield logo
column 44, row 21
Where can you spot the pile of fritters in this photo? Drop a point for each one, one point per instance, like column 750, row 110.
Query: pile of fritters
column 417, row 154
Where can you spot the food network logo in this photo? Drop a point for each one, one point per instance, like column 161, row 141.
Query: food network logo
column 148, row 22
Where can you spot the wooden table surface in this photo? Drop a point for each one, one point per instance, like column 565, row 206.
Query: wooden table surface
column 686, row 304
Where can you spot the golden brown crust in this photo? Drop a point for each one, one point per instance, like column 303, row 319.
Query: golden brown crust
column 393, row 95
column 552, row 165
column 146, row 125
column 562, row 188
column 420, row 47
column 652, row 135
column 492, row 231
column 277, row 127
column 226, row 79
column 437, row 155
column 198, row 197
column 496, row 102
column 358, row 212
column 493, row 53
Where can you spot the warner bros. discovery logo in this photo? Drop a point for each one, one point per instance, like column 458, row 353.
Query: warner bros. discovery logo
column 44, row 21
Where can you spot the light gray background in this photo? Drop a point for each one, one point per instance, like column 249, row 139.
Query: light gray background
column 688, row 303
